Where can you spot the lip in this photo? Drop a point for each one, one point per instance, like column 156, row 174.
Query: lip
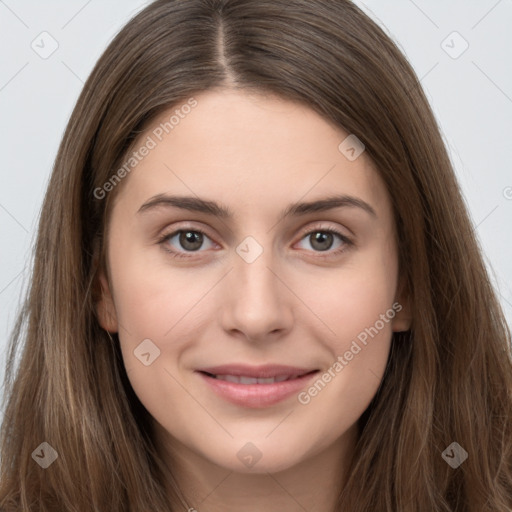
column 256, row 395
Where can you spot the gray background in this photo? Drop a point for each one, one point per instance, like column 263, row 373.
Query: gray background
column 470, row 92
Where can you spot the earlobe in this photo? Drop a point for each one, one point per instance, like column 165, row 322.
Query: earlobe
column 403, row 320
column 105, row 308
column 403, row 316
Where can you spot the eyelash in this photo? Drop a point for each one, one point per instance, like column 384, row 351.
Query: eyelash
column 316, row 229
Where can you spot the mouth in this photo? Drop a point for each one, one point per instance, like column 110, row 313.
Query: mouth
column 243, row 379
column 256, row 387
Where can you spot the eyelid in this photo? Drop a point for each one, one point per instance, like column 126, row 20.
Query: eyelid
column 186, row 226
column 321, row 226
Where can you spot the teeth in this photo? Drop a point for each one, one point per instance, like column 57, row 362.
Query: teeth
column 248, row 380
column 229, row 378
column 270, row 380
column 253, row 380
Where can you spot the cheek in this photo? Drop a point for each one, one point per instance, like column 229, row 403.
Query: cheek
column 351, row 299
column 358, row 353
column 355, row 302
column 160, row 305
column 152, row 300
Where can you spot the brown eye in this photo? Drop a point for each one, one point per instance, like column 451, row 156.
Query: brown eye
column 190, row 240
column 183, row 241
column 322, row 240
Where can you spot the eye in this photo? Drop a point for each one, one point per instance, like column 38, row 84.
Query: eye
column 321, row 240
column 191, row 240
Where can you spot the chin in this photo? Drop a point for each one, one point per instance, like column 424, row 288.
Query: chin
column 257, row 457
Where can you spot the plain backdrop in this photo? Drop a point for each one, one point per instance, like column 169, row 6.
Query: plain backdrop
column 461, row 51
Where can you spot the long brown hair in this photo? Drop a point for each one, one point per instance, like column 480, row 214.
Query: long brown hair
column 449, row 378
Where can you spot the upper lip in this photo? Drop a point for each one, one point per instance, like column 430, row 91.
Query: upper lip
column 259, row 372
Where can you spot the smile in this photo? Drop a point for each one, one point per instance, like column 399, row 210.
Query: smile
column 257, row 391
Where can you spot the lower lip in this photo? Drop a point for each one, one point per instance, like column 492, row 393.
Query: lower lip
column 257, row 395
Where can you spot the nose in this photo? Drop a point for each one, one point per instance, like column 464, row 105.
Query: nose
column 256, row 302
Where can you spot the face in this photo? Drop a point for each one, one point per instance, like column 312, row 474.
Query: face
column 254, row 271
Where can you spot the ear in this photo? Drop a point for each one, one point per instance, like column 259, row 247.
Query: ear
column 402, row 320
column 105, row 308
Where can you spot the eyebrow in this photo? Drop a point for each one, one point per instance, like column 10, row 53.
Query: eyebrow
column 197, row 204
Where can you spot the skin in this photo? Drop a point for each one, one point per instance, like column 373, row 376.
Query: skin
column 255, row 154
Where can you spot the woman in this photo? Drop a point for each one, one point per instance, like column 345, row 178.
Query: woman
column 258, row 374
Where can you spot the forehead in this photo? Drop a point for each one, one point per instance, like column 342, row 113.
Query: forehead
column 248, row 151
